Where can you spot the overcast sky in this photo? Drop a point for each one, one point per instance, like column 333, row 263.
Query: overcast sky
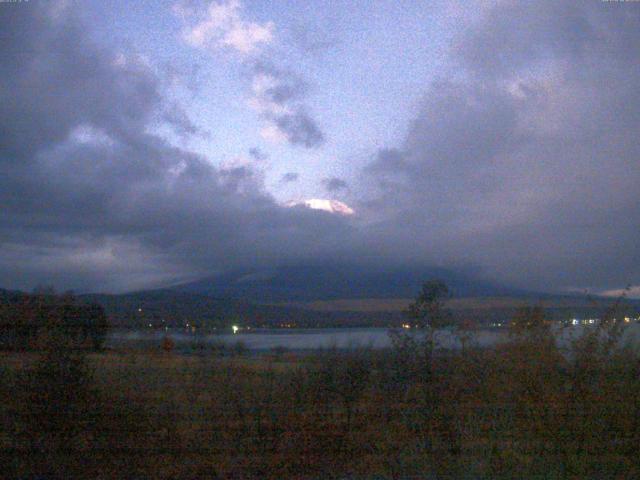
column 144, row 143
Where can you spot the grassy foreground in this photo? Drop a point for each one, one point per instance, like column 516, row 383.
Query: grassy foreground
column 523, row 410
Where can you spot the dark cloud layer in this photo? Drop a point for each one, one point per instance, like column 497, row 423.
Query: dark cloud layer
column 335, row 184
column 526, row 164
column 523, row 165
column 91, row 199
column 257, row 154
column 290, row 177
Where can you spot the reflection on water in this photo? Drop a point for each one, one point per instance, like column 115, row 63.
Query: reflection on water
column 308, row 339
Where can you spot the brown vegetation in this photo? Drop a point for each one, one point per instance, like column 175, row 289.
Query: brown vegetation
column 521, row 410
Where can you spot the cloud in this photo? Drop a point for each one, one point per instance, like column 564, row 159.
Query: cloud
column 299, row 129
column 523, row 165
column 258, row 154
column 632, row 291
column 335, row 184
column 289, row 177
column 388, row 161
column 40, row 104
column 311, row 41
column 521, row 36
column 223, row 27
column 92, row 200
column 525, row 162
column 278, row 97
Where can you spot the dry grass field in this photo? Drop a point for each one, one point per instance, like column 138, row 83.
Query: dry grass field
column 518, row 411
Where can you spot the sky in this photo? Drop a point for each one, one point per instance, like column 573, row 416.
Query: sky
column 152, row 142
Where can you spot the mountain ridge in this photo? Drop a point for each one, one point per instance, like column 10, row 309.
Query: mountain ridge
column 331, row 282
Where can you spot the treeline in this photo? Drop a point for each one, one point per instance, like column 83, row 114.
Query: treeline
column 36, row 321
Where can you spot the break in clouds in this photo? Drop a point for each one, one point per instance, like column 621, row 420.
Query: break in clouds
column 277, row 95
column 522, row 160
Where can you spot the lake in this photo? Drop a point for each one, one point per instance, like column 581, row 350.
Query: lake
column 310, row 339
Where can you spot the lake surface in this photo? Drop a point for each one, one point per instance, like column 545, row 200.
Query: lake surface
column 310, row 339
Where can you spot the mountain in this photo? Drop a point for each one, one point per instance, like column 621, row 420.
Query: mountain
column 331, row 282
column 331, row 206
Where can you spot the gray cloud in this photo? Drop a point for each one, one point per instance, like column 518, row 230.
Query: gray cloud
column 312, row 41
column 278, row 96
column 258, row 154
column 290, row 177
column 299, row 129
column 38, row 57
column 334, row 184
column 388, row 161
column 525, row 164
column 91, row 200
column 514, row 35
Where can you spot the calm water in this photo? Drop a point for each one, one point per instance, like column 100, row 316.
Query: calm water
column 308, row 339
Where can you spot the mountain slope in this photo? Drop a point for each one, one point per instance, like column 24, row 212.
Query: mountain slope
column 331, row 282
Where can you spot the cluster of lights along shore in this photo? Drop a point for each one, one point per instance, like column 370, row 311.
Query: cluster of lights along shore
column 235, row 329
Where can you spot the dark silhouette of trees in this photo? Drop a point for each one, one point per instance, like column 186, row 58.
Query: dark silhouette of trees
column 428, row 313
column 29, row 322
column 96, row 325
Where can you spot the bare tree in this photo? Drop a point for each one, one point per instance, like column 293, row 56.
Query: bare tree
column 428, row 313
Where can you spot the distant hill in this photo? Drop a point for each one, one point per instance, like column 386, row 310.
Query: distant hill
column 332, row 282
column 325, row 296
column 162, row 308
column 176, row 309
column 377, row 296
column 551, row 302
column 487, row 309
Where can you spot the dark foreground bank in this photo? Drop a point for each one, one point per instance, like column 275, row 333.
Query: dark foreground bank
column 519, row 410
